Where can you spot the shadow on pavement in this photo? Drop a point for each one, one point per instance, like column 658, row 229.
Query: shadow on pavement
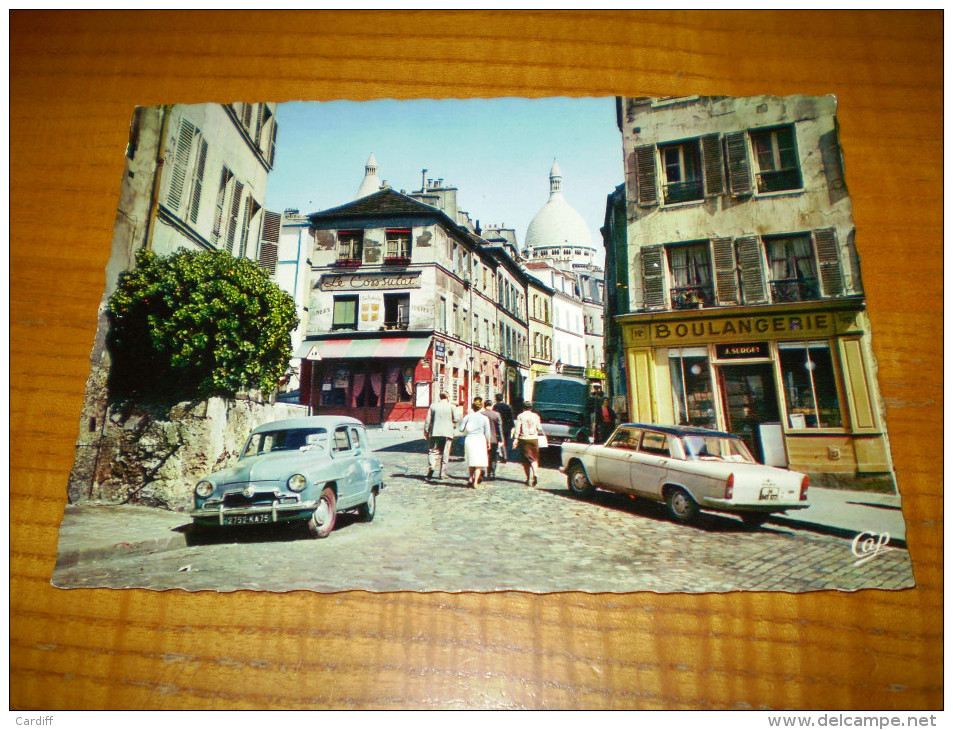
column 416, row 446
column 706, row 521
column 274, row 532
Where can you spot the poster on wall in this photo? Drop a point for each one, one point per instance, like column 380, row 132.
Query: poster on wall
column 741, row 403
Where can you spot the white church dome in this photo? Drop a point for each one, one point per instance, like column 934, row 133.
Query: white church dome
column 557, row 223
column 371, row 183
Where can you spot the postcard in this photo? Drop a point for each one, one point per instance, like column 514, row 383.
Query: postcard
column 601, row 344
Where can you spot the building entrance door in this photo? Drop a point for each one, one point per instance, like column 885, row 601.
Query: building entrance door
column 749, row 398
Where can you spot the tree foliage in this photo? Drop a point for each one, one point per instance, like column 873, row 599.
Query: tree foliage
column 197, row 324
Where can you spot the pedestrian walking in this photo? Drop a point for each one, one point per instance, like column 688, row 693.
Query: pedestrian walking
column 495, row 445
column 526, row 432
column 476, row 430
column 438, row 430
column 506, row 415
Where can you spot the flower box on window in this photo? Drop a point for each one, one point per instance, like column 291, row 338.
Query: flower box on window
column 349, row 263
column 396, row 260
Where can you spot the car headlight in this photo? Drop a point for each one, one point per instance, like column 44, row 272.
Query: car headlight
column 297, row 483
column 204, row 489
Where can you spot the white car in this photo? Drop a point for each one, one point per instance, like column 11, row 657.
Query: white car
column 686, row 468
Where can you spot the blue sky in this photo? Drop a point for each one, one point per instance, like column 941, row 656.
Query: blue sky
column 497, row 152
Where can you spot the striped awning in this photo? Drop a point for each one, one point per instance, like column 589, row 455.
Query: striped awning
column 352, row 349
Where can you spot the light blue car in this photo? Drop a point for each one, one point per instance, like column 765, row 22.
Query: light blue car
column 299, row 469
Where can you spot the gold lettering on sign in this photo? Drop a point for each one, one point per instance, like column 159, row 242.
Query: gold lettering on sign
column 712, row 329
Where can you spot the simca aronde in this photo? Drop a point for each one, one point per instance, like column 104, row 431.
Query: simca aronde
column 299, row 469
column 687, row 468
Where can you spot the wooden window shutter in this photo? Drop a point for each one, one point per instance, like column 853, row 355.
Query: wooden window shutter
column 653, row 277
column 825, row 243
column 750, row 261
column 646, row 190
column 233, row 217
column 270, row 230
column 220, row 205
column 274, row 137
column 714, row 165
column 739, row 177
column 259, row 122
column 726, row 270
column 183, row 149
column 197, row 182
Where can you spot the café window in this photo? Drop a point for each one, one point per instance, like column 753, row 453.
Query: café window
column 350, row 247
column 345, row 313
column 792, row 268
column 775, row 151
column 398, row 246
column 690, row 268
column 693, row 399
column 681, row 169
column 396, row 311
column 334, row 387
column 399, row 387
column 810, row 388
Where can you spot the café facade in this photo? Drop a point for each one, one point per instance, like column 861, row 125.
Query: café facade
column 795, row 381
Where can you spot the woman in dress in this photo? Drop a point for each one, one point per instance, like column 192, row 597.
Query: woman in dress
column 476, row 428
column 526, row 434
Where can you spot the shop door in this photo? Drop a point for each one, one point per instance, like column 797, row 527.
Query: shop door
column 749, row 398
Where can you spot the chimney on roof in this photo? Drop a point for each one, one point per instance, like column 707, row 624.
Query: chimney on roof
column 478, row 229
column 423, row 180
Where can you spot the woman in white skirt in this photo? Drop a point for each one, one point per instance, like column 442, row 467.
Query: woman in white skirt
column 476, row 428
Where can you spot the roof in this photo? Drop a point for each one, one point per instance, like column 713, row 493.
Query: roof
column 681, row 430
column 385, row 202
column 308, row 422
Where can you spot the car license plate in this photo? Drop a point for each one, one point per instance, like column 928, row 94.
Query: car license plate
column 248, row 519
column 769, row 493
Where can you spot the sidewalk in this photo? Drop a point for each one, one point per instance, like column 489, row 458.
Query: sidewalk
column 846, row 513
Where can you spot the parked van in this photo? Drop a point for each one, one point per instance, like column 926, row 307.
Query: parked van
column 563, row 405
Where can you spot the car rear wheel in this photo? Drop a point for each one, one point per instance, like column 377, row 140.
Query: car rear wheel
column 578, row 482
column 755, row 519
column 680, row 505
column 325, row 514
column 367, row 511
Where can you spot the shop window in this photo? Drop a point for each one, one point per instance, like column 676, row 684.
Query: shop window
column 793, row 275
column 400, row 385
column 396, row 311
column 398, row 247
column 350, row 248
column 335, row 386
column 810, row 390
column 693, row 399
column 690, row 269
column 345, row 313
column 681, row 170
column 775, row 151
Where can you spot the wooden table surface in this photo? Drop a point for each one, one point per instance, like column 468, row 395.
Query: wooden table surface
column 75, row 78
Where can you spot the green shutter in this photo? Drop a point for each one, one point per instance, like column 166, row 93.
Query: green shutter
column 832, row 282
column 197, row 182
column 739, row 177
column 714, row 165
column 653, row 277
column 183, row 148
column 233, row 217
column 726, row 270
column 646, row 189
column 751, row 263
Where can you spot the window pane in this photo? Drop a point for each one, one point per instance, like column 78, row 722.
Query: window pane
column 810, row 391
column 692, row 397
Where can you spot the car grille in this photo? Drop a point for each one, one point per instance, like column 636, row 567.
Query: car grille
column 237, row 499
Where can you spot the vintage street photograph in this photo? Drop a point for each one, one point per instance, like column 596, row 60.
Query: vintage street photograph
column 606, row 344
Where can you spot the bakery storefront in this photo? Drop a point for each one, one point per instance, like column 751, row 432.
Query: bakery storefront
column 375, row 377
column 797, row 383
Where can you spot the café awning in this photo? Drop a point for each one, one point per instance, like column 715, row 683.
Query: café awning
column 364, row 348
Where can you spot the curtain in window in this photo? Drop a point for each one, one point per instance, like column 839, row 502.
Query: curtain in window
column 690, row 266
column 791, row 258
column 357, row 389
column 376, row 384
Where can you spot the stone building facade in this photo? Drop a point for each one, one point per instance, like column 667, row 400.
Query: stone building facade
column 745, row 307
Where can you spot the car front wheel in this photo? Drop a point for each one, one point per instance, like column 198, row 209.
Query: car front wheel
column 325, row 514
column 681, row 506
column 578, row 482
column 367, row 511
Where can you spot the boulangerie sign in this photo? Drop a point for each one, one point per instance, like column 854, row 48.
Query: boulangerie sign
column 672, row 285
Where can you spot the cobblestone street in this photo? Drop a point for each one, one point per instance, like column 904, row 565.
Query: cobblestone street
column 503, row 536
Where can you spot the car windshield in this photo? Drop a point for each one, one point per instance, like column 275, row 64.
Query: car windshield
column 716, row 448
column 291, row 439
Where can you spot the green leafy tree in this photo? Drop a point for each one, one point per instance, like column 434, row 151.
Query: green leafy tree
column 197, row 324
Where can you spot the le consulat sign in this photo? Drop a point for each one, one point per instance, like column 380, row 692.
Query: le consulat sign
column 370, row 282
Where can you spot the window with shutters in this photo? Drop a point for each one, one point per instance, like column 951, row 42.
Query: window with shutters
column 690, row 270
column 226, row 182
column 396, row 311
column 350, row 248
column 398, row 247
column 775, row 152
column 793, row 274
column 233, row 213
column 681, row 172
column 345, row 313
column 190, row 152
column 249, row 224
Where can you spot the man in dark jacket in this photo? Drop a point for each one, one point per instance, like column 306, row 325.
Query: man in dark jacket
column 506, row 416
